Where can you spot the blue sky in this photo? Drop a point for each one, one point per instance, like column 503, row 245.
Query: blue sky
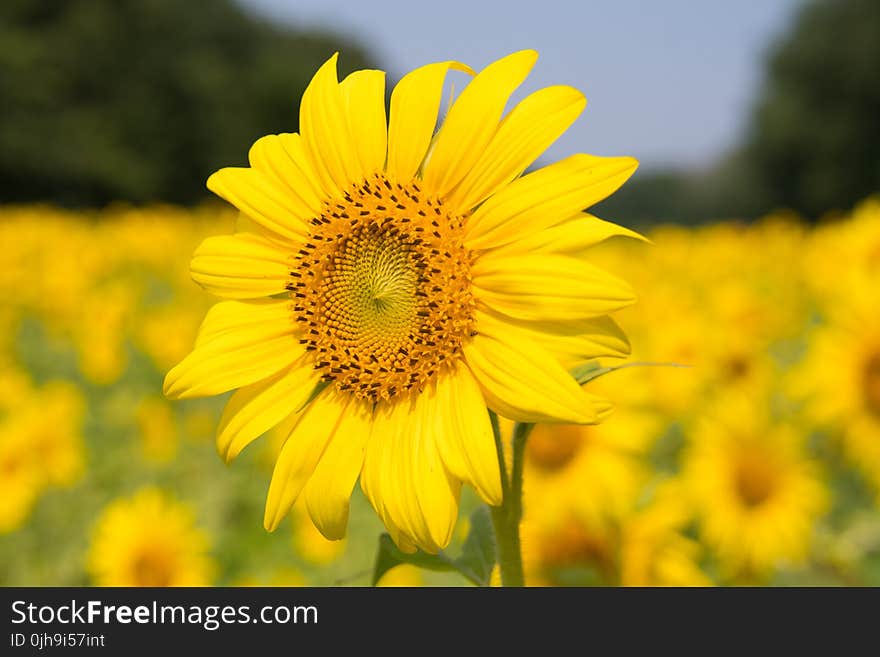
column 670, row 82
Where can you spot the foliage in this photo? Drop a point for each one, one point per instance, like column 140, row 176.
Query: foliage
column 815, row 138
column 140, row 100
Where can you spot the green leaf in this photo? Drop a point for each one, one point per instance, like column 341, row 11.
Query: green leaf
column 475, row 563
column 592, row 370
column 390, row 556
column 589, row 371
column 478, row 552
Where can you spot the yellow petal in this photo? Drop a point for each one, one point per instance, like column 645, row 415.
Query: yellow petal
column 547, row 287
column 241, row 266
column 436, row 490
column 526, row 132
column 281, row 158
column 574, row 342
column 388, row 477
column 573, row 236
column 523, row 382
column 264, row 200
column 235, row 319
column 364, row 95
column 415, row 103
column 545, row 197
column 329, row 489
column 256, row 408
column 301, row 452
column 325, row 132
column 464, row 435
column 232, row 352
column 473, row 121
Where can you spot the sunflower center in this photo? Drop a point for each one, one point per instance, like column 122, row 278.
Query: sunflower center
column 574, row 545
column 755, row 481
column 871, row 384
column 382, row 289
column 552, row 447
column 736, row 367
column 151, row 568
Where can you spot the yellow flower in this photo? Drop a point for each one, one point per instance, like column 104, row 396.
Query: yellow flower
column 841, row 379
column 653, row 551
column 21, row 479
column 757, row 494
column 166, row 333
column 158, row 429
column 392, row 283
column 52, row 424
column 149, row 540
column 403, row 575
column 594, row 472
column 568, row 550
column 40, row 443
column 845, row 255
column 101, row 330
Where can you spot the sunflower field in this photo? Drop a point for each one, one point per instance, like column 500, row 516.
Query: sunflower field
column 744, row 446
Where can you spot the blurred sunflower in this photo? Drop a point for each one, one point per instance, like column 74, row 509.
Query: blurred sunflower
column 565, row 550
column 21, row 479
column 391, row 283
column 645, row 546
column 845, row 255
column 841, row 378
column 403, row 575
column 158, row 429
column 598, row 471
column 40, row 443
column 654, row 550
column 756, row 493
column 149, row 540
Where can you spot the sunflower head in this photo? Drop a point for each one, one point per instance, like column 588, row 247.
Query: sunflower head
column 754, row 478
column 389, row 282
column 552, row 447
column 756, row 491
column 149, row 540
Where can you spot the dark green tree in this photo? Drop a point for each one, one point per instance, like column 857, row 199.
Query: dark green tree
column 140, row 100
column 814, row 144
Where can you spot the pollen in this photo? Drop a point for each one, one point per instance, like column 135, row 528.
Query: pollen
column 382, row 289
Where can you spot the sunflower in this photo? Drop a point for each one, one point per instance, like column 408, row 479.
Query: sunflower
column 40, row 443
column 158, row 429
column 645, row 546
column 149, row 540
column 757, row 494
column 596, row 472
column 22, row 479
column 654, row 550
column 388, row 284
column 840, row 377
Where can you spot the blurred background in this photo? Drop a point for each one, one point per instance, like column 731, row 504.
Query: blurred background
column 756, row 125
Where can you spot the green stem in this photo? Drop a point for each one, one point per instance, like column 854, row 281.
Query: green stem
column 520, row 434
column 507, row 517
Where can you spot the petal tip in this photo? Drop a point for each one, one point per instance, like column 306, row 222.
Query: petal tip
column 271, row 519
column 168, row 385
